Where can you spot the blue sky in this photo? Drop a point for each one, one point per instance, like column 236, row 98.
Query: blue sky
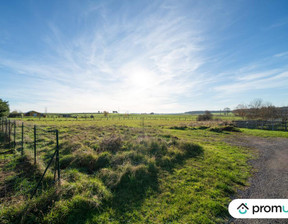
column 141, row 55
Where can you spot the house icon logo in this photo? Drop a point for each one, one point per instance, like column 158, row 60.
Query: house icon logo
column 243, row 208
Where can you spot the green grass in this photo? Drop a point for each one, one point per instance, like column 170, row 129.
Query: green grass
column 121, row 171
column 197, row 191
column 265, row 133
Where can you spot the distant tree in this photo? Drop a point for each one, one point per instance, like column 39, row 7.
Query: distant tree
column 15, row 113
column 268, row 112
column 283, row 113
column 105, row 113
column 4, row 108
column 205, row 117
column 241, row 110
column 226, row 111
column 257, row 110
column 254, row 108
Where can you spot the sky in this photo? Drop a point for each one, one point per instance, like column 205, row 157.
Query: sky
column 142, row 55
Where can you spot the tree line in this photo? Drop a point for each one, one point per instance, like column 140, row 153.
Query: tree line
column 257, row 109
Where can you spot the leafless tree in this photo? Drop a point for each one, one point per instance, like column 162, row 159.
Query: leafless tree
column 241, row 111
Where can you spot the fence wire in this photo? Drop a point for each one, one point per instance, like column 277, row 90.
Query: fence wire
column 27, row 154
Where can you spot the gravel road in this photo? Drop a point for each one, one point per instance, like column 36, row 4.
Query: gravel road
column 270, row 179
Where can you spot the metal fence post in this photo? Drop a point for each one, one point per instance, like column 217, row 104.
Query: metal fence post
column 57, row 156
column 34, row 144
column 9, row 133
column 6, row 130
column 14, row 134
column 22, row 138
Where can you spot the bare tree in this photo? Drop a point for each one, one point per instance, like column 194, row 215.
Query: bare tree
column 254, row 108
column 241, row 110
column 268, row 112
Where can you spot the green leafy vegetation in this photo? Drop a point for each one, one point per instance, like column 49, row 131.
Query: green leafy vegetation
column 4, row 108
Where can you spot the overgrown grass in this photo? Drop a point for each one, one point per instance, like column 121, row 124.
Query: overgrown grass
column 130, row 173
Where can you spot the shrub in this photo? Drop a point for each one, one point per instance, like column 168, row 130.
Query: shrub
column 205, row 117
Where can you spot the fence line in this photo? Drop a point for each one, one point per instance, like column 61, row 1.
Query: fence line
column 259, row 124
column 31, row 135
column 152, row 117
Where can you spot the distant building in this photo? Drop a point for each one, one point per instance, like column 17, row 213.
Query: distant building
column 33, row 113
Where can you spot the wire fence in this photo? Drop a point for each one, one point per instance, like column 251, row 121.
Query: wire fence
column 260, row 124
column 114, row 118
column 28, row 153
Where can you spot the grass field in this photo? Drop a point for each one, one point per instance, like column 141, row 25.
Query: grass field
column 127, row 170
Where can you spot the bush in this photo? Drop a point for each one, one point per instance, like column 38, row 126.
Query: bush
column 205, row 117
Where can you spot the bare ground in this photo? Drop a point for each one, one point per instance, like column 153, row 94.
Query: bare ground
column 270, row 179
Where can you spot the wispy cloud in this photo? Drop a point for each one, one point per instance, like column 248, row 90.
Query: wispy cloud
column 138, row 56
column 135, row 64
column 282, row 54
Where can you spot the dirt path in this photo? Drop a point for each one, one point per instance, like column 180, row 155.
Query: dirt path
column 271, row 177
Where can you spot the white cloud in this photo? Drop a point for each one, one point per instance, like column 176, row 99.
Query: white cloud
column 139, row 64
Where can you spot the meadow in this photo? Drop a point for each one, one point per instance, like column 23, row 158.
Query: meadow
column 127, row 169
